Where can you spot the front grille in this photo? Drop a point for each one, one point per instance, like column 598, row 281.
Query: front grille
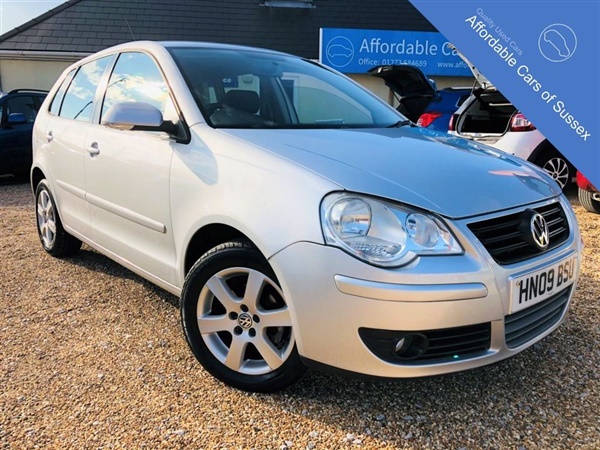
column 523, row 326
column 448, row 344
column 507, row 243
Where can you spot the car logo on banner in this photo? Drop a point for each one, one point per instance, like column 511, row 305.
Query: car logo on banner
column 340, row 51
column 557, row 42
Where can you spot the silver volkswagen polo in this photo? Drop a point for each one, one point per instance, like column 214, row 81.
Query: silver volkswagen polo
column 302, row 221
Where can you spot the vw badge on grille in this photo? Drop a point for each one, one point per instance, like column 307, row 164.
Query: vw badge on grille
column 539, row 231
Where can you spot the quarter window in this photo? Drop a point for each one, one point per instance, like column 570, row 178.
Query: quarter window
column 58, row 98
column 78, row 103
column 136, row 78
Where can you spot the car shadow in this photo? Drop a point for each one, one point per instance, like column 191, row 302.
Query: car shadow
column 90, row 259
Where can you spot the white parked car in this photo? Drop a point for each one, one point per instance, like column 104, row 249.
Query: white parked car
column 488, row 117
column 302, row 220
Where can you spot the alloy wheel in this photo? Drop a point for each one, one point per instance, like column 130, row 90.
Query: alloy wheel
column 244, row 321
column 558, row 169
column 46, row 217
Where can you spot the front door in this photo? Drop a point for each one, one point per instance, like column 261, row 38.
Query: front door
column 127, row 174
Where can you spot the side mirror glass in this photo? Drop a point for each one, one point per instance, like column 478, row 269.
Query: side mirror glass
column 16, row 119
column 136, row 116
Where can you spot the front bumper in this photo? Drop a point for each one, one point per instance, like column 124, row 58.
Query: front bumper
column 334, row 297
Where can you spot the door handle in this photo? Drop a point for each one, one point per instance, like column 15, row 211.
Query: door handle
column 49, row 136
column 93, row 149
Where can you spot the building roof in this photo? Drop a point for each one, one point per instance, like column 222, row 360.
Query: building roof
column 87, row 26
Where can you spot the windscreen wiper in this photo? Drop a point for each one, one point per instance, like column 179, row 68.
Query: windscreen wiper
column 401, row 123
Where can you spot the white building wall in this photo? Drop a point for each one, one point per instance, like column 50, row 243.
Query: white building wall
column 16, row 73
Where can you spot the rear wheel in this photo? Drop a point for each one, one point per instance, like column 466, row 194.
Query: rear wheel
column 586, row 198
column 557, row 166
column 55, row 240
column 237, row 322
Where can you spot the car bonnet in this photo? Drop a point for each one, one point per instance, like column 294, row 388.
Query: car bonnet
column 433, row 171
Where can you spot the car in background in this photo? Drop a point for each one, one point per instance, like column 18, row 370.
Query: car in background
column 438, row 113
column 18, row 110
column 489, row 117
column 589, row 196
column 302, row 220
column 418, row 97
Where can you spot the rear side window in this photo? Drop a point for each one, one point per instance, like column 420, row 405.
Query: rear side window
column 58, row 98
column 78, row 102
column 137, row 78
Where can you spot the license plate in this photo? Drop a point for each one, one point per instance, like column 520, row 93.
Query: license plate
column 537, row 286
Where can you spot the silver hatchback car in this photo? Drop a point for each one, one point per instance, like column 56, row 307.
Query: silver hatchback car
column 302, row 221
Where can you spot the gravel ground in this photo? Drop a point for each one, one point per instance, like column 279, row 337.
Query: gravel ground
column 92, row 356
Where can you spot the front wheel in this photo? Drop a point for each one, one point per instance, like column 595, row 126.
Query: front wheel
column 55, row 240
column 237, row 322
column 586, row 198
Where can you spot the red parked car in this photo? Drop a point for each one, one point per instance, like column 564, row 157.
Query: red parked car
column 589, row 196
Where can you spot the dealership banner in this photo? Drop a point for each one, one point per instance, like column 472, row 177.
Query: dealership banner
column 357, row 51
column 543, row 56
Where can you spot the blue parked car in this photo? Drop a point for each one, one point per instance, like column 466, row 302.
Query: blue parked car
column 418, row 97
column 18, row 110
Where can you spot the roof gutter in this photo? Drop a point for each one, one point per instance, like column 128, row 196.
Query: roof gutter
column 25, row 55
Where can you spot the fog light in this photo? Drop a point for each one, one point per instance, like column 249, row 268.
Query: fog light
column 411, row 346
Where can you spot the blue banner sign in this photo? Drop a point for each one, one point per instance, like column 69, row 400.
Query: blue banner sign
column 356, row 51
column 543, row 56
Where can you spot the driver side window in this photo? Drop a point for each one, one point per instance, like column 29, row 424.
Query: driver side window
column 136, row 78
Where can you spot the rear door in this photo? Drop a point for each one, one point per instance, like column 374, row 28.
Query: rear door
column 66, row 124
column 127, row 173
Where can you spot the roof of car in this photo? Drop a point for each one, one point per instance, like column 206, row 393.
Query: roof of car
column 155, row 47
column 195, row 44
column 29, row 91
column 24, row 91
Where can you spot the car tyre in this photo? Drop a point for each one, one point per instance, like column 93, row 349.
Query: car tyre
column 586, row 198
column 55, row 240
column 558, row 167
column 236, row 321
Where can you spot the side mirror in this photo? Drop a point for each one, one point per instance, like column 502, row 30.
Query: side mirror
column 16, row 119
column 136, row 116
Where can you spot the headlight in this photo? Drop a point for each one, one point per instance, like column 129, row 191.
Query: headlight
column 381, row 233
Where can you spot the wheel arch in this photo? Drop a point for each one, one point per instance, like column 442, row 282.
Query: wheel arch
column 206, row 238
column 543, row 147
column 36, row 176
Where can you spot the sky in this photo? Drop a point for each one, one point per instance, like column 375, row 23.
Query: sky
column 16, row 12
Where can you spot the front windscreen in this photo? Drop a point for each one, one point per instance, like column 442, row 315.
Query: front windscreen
column 253, row 89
